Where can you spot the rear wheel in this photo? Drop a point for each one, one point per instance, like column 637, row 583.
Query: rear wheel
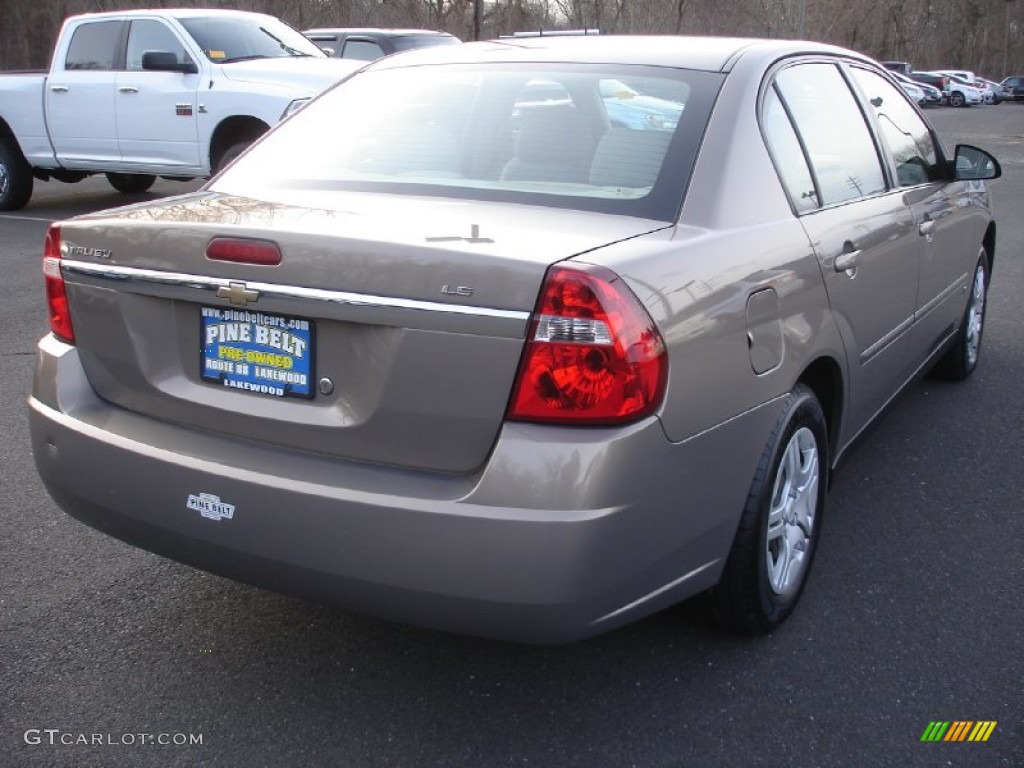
column 780, row 525
column 130, row 183
column 962, row 358
column 956, row 99
column 15, row 178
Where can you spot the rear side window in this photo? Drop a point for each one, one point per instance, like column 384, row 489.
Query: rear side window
column 363, row 50
column 326, row 41
column 842, row 153
column 909, row 141
column 789, row 157
column 94, row 46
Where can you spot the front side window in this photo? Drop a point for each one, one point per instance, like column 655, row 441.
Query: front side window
column 149, row 35
column 591, row 137
column 909, row 141
column 94, row 46
column 839, row 145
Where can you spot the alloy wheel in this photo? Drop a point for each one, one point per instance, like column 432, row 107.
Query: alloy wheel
column 793, row 513
column 975, row 317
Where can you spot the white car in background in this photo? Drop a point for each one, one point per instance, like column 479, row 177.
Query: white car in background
column 961, row 92
column 931, row 94
column 963, row 74
column 968, row 77
column 987, row 91
column 914, row 92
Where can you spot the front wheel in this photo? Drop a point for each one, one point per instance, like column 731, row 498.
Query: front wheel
column 961, row 359
column 956, row 99
column 130, row 183
column 230, row 155
column 780, row 525
column 16, row 180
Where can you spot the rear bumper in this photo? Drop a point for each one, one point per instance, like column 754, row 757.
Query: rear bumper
column 564, row 533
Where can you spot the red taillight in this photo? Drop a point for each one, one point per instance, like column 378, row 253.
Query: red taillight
column 260, row 252
column 592, row 356
column 56, row 295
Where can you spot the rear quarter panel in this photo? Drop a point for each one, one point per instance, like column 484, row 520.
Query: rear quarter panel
column 21, row 108
column 736, row 236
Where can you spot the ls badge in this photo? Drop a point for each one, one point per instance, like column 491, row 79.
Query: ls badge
column 211, row 507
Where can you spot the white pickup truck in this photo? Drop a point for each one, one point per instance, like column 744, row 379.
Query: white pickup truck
column 174, row 93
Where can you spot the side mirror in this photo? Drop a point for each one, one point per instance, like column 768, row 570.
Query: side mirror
column 971, row 164
column 165, row 61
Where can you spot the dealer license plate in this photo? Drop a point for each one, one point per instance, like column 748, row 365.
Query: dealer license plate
column 258, row 352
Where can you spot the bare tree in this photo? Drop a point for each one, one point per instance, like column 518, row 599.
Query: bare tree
column 981, row 35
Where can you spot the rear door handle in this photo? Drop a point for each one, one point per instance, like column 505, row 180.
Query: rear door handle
column 128, row 89
column 59, row 88
column 847, row 260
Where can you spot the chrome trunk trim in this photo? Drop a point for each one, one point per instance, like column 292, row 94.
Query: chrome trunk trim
column 133, row 275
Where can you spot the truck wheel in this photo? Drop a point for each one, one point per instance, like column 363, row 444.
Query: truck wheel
column 15, row 178
column 130, row 183
column 230, row 154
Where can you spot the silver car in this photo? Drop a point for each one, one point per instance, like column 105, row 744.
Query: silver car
column 442, row 352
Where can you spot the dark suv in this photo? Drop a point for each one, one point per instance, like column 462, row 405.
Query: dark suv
column 372, row 43
column 1016, row 85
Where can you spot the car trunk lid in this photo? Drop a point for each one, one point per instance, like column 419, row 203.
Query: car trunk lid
column 390, row 331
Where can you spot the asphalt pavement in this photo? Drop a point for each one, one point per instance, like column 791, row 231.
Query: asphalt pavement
column 110, row 656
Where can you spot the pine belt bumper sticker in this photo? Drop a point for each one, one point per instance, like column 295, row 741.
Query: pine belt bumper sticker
column 257, row 352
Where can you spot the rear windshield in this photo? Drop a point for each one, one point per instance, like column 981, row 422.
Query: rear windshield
column 613, row 139
column 407, row 42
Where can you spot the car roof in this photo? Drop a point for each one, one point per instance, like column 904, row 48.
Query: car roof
column 714, row 54
column 379, row 31
column 177, row 13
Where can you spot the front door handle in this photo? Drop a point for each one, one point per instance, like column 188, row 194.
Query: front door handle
column 847, row 261
column 128, row 89
column 59, row 88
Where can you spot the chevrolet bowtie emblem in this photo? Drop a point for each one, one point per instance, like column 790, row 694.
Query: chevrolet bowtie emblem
column 237, row 294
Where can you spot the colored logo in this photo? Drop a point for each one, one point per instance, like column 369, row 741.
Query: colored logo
column 958, row 730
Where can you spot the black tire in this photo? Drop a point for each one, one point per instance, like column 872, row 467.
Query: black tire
column 956, row 99
column 130, row 183
column 757, row 592
column 16, row 179
column 961, row 358
column 231, row 153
